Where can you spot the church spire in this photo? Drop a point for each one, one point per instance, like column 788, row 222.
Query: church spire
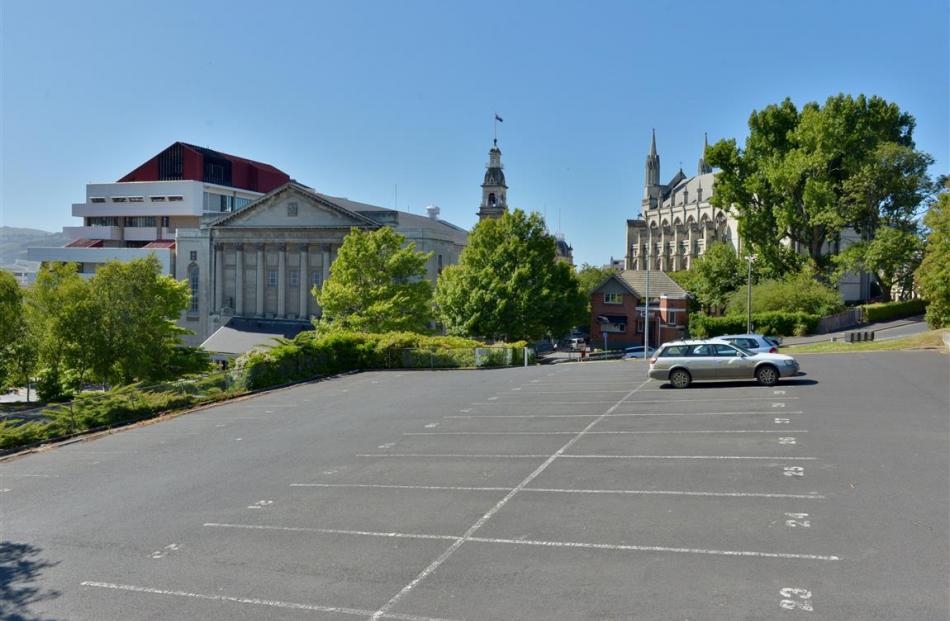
column 652, row 168
column 653, row 145
column 703, row 167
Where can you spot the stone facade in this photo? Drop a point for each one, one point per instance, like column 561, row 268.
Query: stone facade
column 263, row 260
column 677, row 222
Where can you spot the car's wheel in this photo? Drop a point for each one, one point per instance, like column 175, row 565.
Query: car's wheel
column 680, row 378
column 767, row 375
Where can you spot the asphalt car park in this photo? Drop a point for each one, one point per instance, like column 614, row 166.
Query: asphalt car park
column 574, row 491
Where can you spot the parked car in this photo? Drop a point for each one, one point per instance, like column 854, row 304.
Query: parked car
column 682, row 362
column 578, row 344
column 637, row 352
column 756, row 343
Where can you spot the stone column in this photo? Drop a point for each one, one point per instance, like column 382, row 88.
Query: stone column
column 259, row 300
column 282, row 280
column 679, row 251
column 303, row 282
column 218, row 277
column 326, row 264
column 690, row 245
column 239, row 279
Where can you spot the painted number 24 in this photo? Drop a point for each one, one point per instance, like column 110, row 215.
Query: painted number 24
column 796, row 599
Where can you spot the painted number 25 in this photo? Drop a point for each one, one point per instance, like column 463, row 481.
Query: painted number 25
column 796, row 599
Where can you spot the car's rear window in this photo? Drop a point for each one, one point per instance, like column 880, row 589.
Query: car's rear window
column 674, row 350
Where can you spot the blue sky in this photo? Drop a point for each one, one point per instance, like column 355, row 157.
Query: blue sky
column 354, row 98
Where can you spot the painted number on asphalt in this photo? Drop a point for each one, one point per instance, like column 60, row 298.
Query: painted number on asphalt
column 794, row 471
column 260, row 504
column 786, row 440
column 796, row 599
column 797, row 520
column 172, row 547
column 782, row 421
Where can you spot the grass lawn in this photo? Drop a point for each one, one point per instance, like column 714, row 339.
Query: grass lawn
column 932, row 339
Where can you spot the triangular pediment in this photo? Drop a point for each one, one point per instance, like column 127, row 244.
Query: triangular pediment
column 294, row 206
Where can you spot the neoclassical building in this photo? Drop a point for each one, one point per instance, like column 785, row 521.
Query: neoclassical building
column 677, row 221
column 262, row 260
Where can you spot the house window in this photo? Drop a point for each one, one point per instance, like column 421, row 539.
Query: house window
column 165, row 221
column 193, row 255
column 271, row 278
column 317, row 280
column 136, row 199
column 176, row 198
column 157, row 199
column 671, row 318
column 294, row 278
column 613, row 327
column 292, row 210
column 119, row 199
column 613, row 298
column 193, row 284
column 97, row 199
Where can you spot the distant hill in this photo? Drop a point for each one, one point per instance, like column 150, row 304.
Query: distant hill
column 14, row 242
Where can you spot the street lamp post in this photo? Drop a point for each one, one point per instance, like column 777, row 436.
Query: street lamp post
column 750, row 258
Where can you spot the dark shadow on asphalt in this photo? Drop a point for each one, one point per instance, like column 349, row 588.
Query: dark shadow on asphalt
column 798, row 381
column 20, row 567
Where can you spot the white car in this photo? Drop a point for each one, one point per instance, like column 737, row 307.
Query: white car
column 755, row 343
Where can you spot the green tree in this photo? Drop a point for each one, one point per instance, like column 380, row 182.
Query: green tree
column 508, row 284
column 377, row 284
column 807, row 175
column 60, row 317
column 11, row 325
column 716, row 274
column 135, row 335
column 933, row 275
column 891, row 258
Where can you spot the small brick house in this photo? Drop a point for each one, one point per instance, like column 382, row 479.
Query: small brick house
column 617, row 310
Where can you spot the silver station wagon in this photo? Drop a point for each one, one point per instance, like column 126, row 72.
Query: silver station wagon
column 682, row 362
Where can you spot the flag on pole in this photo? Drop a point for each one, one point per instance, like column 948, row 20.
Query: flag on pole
column 498, row 118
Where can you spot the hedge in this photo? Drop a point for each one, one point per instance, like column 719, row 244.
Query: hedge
column 309, row 355
column 885, row 311
column 772, row 323
column 119, row 406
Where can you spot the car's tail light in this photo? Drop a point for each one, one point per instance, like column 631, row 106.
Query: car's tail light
column 653, row 360
column 773, row 351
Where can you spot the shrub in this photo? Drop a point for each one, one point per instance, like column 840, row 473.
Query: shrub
column 775, row 323
column 311, row 354
column 893, row 310
column 798, row 292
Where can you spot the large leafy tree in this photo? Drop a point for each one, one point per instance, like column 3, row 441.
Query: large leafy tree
column 933, row 274
column 135, row 335
column 377, row 284
column 508, row 284
column 11, row 325
column 805, row 175
column 715, row 275
column 890, row 257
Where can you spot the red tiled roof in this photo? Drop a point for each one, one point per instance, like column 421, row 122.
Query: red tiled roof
column 85, row 243
column 162, row 243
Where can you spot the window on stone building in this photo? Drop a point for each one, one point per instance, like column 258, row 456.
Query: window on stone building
column 292, row 210
column 271, row 278
column 317, row 280
column 193, row 255
column 613, row 298
column 294, row 278
column 193, row 284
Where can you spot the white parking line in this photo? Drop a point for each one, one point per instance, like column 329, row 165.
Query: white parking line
column 253, row 601
column 551, row 544
column 631, row 402
column 488, row 515
column 569, row 456
column 595, row 433
column 17, row 474
column 631, row 415
column 549, row 490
